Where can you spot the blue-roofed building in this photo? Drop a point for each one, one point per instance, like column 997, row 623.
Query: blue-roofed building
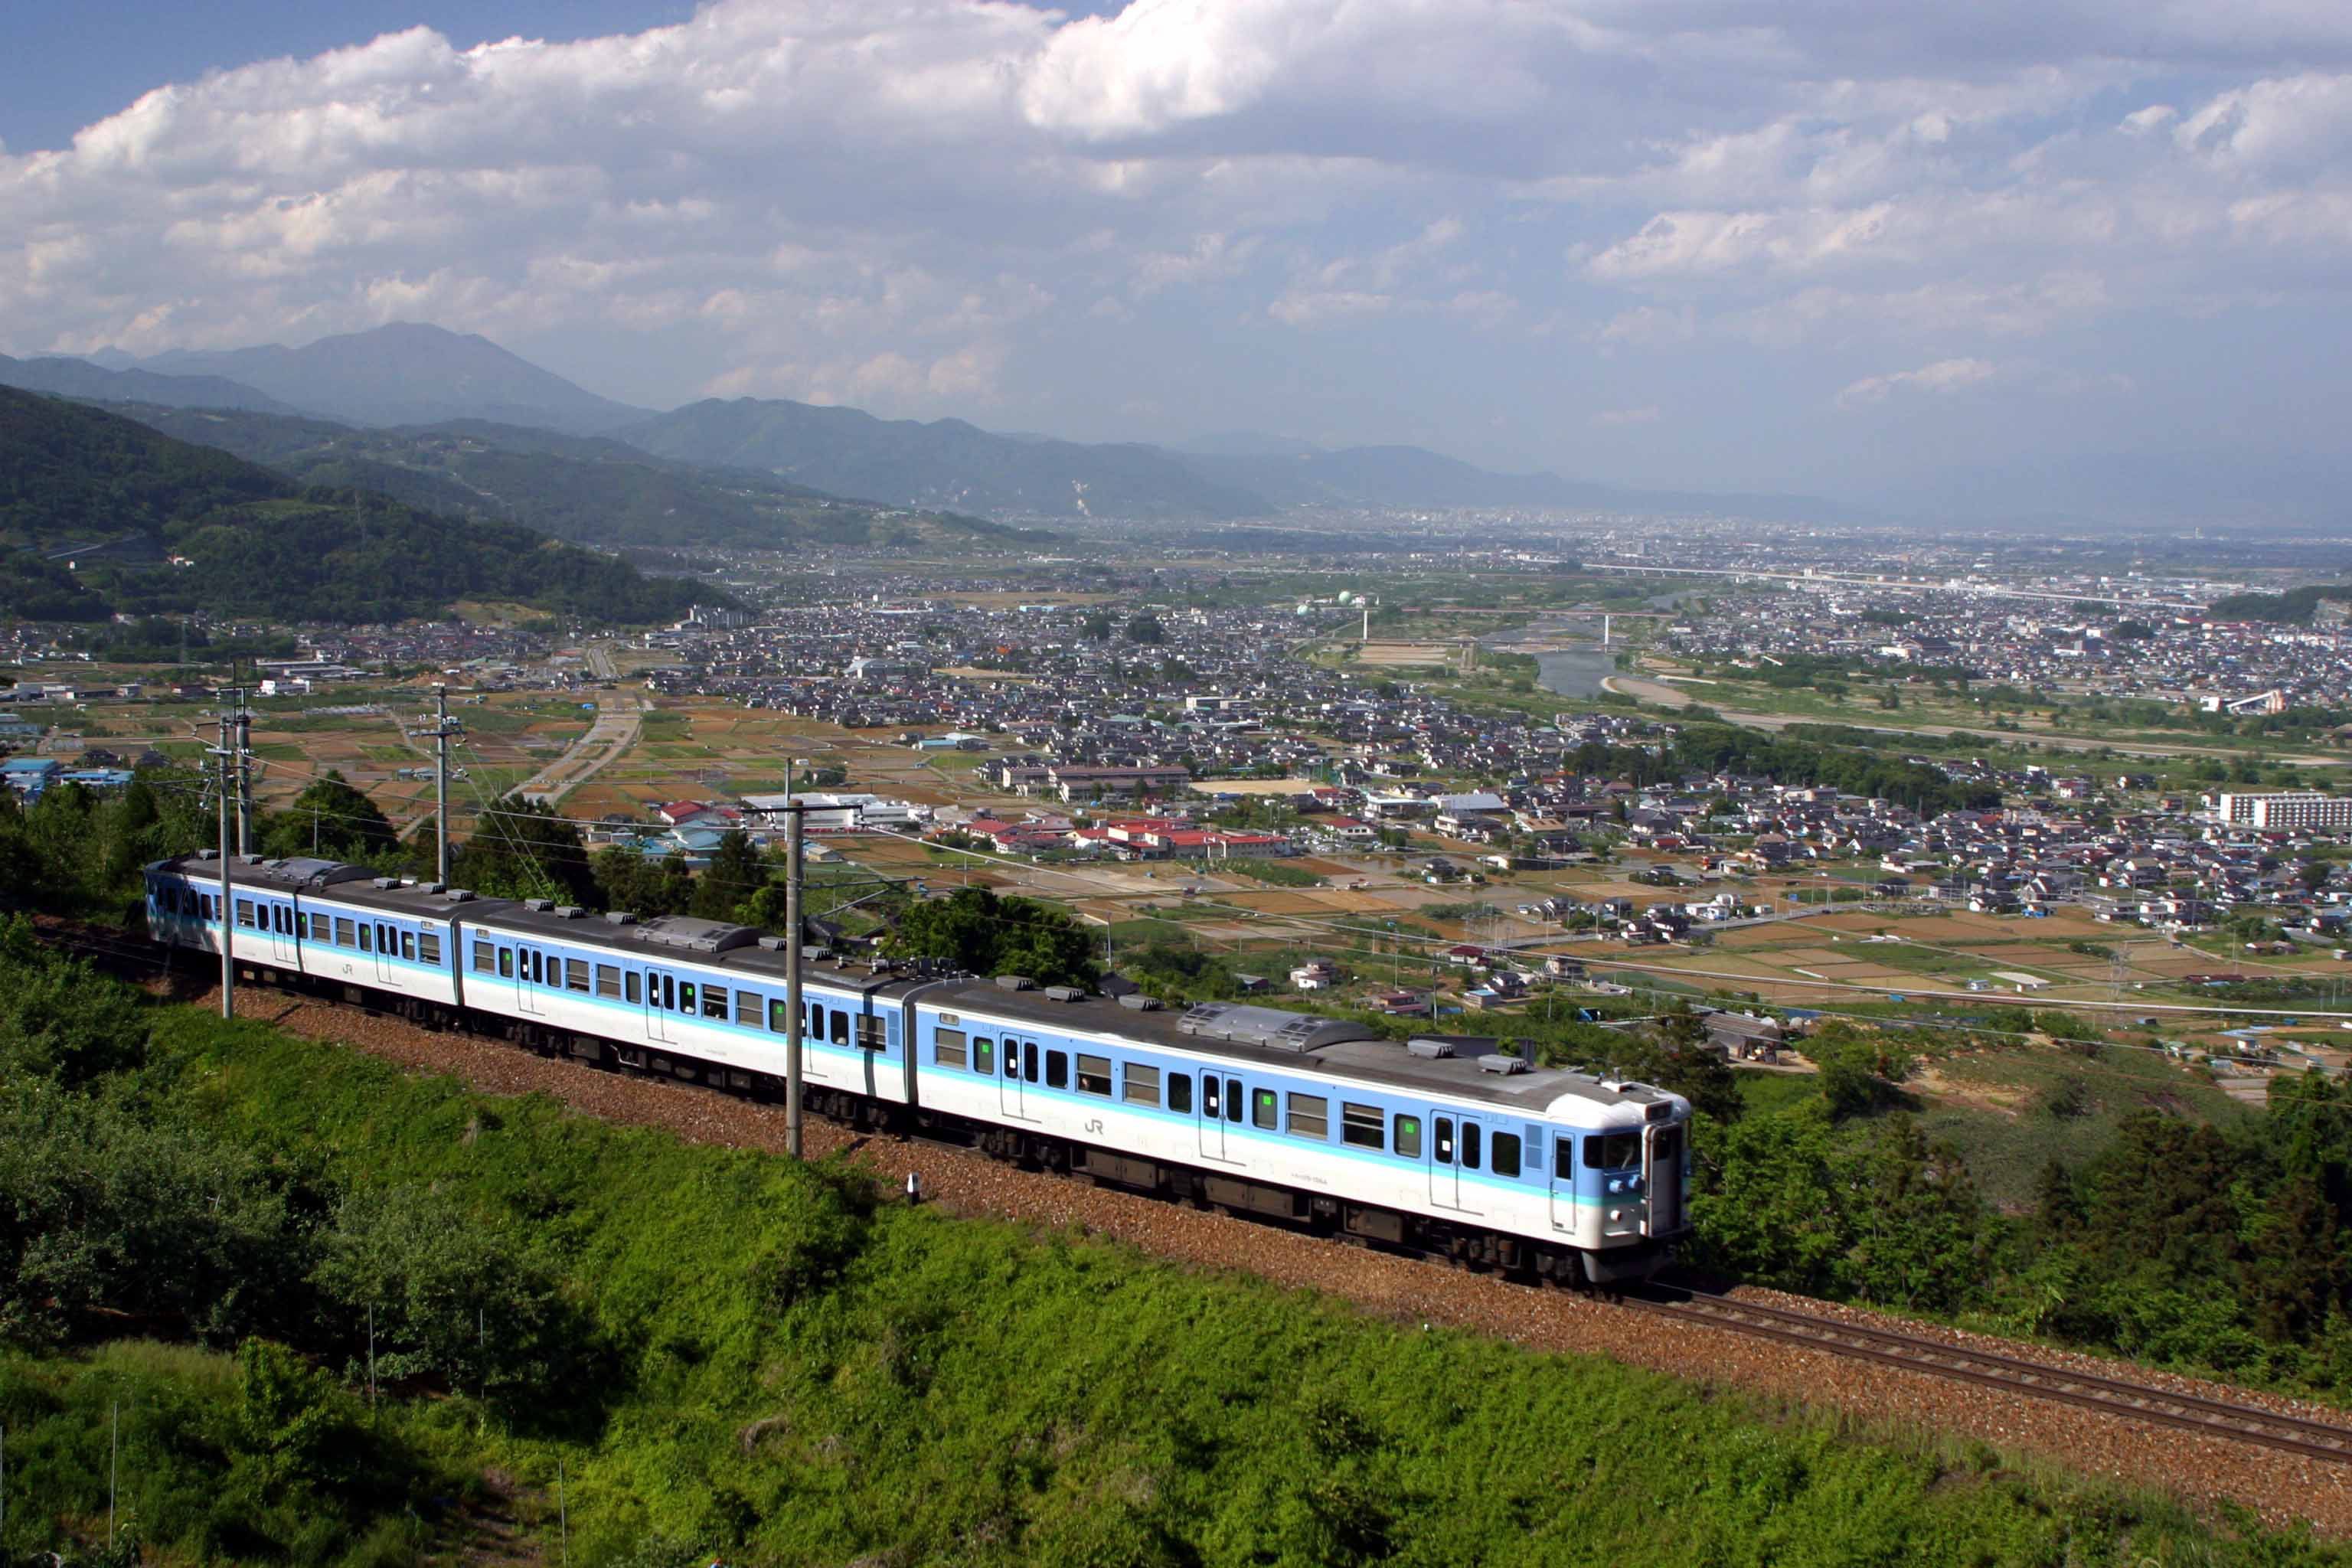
column 29, row 776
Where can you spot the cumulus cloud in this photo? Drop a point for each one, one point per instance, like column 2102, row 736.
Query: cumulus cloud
column 1944, row 377
column 935, row 204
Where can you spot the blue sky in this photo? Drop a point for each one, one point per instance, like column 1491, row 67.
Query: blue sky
column 1851, row 248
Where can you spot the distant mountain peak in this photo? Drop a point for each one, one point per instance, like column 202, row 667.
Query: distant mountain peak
column 409, row 373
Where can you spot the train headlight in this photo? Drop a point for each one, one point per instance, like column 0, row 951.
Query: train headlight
column 1633, row 1184
column 1615, row 1216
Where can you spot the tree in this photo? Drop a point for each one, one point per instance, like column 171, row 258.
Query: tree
column 646, row 886
column 735, row 873
column 331, row 819
column 1099, row 626
column 1146, row 628
column 977, row 930
column 522, row 850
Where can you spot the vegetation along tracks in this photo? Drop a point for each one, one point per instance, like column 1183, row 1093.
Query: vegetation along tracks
column 1992, row 1369
column 2012, row 1382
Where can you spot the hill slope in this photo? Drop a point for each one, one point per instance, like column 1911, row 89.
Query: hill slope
column 585, row 488
column 945, row 464
column 406, row 374
column 79, row 378
column 93, row 507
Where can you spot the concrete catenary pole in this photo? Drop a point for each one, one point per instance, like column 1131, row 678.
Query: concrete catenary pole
column 792, row 940
column 441, row 782
column 227, row 881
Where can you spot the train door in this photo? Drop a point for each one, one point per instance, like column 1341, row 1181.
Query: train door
column 281, row 935
column 1563, row 1182
column 387, row 953
column 1212, row 1116
column 531, row 974
column 661, row 995
column 1021, row 1069
column 1444, row 1152
column 1662, row 1177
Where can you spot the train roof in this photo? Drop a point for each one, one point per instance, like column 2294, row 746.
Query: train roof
column 1458, row 1067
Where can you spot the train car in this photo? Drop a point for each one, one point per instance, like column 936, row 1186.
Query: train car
column 183, row 898
column 1450, row 1145
column 394, row 938
column 685, row 997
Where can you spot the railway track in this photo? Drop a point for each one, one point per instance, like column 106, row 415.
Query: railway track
column 1992, row 1369
column 2113, row 1396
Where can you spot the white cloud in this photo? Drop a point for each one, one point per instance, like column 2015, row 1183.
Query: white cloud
column 1946, row 376
column 1616, row 418
column 927, row 203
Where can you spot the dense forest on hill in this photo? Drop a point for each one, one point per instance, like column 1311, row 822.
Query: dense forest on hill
column 2296, row 607
column 94, row 506
column 583, row 487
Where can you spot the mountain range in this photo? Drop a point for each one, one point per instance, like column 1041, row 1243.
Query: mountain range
column 100, row 515
column 589, row 488
column 410, row 375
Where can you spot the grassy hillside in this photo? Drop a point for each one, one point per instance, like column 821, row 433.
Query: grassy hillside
column 93, row 505
column 721, row 1353
column 587, row 489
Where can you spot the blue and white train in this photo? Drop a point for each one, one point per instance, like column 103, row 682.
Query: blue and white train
column 1443, row 1143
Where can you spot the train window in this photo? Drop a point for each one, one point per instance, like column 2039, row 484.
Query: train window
column 345, row 935
column 714, row 1002
column 428, row 947
column 245, row 913
column 1013, row 1061
column 948, row 1049
column 506, row 963
column 1057, row 1069
column 1180, row 1093
column 746, row 1009
column 1262, row 1110
column 1028, row 1061
column 1361, row 1125
column 684, row 1003
column 1563, row 1158
column 668, row 991
column 984, row 1059
column 873, row 1032
column 608, row 980
column 575, row 976
column 1208, row 1095
column 816, row 1030
column 1470, row 1135
column 1234, row 1100
column 534, row 963
column 840, row 1026
column 1444, row 1145
column 212, row 906
column 1141, row 1085
column 281, row 920
column 1507, row 1154
column 367, row 937
column 1666, row 1148
column 780, row 1022
column 1613, row 1151
column 1310, row 1117
column 1093, row 1075
column 408, row 945
column 1408, row 1137
column 630, row 993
